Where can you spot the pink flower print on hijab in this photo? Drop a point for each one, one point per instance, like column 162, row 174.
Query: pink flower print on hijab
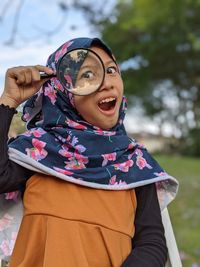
column 73, row 143
column 51, row 93
column 37, row 152
column 138, row 152
column 99, row 131
column 160, row 173
column 75, row 159
column 108, row 157
column 79, row 149
column 71, row 99
column 62, row 51
column 56, row 83
column 124, row 166
column 68, row 80
column 81, row 158
column 66, row 172
column 64, row 152
column 76, row 162
column 75, row 124
column 37, row 132
column 113, row 181
column 12, row 195
column 142, row 163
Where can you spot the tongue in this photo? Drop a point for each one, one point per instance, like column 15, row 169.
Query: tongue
column 106, row 106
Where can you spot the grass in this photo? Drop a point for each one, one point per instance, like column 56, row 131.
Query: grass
column 185, row 210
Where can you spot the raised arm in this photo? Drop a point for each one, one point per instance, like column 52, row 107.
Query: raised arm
column 20, row 84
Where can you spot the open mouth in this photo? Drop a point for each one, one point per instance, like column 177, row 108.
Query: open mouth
column 107, row 104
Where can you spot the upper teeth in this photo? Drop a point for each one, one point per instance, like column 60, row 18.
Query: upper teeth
column 107, row 100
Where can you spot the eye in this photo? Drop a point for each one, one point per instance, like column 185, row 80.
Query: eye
column 111, row 70
column 87, row 75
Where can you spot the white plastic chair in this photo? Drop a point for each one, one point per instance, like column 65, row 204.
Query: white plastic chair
column 173, row 254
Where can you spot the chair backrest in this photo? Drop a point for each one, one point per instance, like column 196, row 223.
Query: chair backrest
column 173, row 253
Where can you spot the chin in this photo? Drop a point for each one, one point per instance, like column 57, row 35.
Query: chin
column 108, row 126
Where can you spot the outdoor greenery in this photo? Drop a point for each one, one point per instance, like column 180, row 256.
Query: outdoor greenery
column 158, row 46
column 184, row 211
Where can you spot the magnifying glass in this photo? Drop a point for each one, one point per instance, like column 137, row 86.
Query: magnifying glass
column 80, row 71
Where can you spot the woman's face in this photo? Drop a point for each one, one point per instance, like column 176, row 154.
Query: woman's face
column 101, row 108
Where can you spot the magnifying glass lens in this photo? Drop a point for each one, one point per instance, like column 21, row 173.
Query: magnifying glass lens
column 81, row 71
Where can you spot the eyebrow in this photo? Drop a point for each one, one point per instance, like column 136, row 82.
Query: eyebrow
column 95, row 66
column 109, row 61
column 88, row 66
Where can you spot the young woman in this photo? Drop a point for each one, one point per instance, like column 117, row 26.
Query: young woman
column 92, row 196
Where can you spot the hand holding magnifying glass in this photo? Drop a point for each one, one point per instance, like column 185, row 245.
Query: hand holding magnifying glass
column 80, row 71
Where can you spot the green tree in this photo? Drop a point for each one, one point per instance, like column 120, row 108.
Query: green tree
column 158, row 43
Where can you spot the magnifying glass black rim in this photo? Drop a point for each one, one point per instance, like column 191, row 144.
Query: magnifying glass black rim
column 81, row 48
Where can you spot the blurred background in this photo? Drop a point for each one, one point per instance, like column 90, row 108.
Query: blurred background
column 157, row 45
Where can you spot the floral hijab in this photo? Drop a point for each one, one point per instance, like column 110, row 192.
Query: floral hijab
column 59, row 142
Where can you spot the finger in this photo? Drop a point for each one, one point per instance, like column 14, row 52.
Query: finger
column 25, row 75
column 21, row 74
column 35, row 74
column 39, row 77
column 44, row 69
column 28, row 76
column 15, row 72
column 20, row 77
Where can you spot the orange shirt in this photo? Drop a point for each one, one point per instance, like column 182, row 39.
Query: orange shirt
column 67, row 225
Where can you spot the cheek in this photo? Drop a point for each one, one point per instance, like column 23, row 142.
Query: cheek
column 120, row 85
column 83, row 105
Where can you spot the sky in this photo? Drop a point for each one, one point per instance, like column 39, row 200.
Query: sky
column 31, row 47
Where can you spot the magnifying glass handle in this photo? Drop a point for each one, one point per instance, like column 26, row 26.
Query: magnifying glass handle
column 44, row 75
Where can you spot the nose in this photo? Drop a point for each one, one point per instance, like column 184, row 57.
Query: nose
column 107, row 83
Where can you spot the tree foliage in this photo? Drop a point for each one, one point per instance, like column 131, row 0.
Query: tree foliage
column 162, row 38
column 24, row 25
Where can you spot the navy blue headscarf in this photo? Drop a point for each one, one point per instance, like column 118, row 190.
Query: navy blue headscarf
column 59, row 142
